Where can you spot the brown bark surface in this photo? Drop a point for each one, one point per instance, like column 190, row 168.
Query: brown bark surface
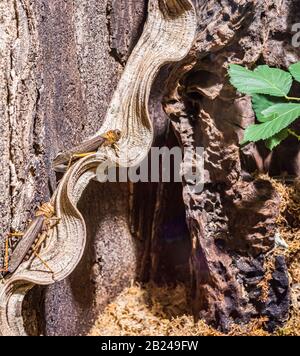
column 60, row 62
column 232, row 224
column 233, row 221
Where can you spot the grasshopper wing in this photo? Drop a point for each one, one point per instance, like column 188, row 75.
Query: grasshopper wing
column 26, row 243
column 87, row 146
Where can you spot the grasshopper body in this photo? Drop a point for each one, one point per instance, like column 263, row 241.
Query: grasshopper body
column 34, row 236
column 24, row 246
column 110, row 138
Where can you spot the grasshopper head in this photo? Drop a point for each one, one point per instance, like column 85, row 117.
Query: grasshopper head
column 117, row 134
column 46, row 209
column 112, row 136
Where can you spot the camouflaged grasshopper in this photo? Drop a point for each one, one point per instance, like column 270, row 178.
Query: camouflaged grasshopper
column 32, row 239
column 87, row 148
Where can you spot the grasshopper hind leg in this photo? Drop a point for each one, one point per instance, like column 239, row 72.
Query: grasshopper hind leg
column 36, row 249
column 43, row 261
column 78, row 155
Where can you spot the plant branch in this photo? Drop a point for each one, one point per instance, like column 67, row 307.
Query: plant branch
column 293, row 133
column 292, row 98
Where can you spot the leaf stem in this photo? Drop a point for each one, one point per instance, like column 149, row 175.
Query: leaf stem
column 293, row 133
column 292, row 98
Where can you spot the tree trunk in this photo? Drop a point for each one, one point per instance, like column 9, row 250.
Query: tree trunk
column 59, row 66
column 231, row 225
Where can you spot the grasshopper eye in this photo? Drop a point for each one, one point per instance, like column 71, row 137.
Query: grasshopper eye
column 118, row 134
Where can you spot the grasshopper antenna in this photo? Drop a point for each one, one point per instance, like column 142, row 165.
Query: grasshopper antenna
column 51, row 185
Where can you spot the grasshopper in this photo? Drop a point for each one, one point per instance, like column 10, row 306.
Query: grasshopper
column 87, row 148
column 32, row 239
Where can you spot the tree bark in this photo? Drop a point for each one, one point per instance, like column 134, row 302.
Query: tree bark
column 232, row 223
column 59, row 66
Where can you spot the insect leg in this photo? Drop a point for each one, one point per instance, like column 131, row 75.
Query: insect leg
column 117, row 148
column 36, row 248
column 54, row 221
column 16, row 234
column 78, row 155
column 40, row 241
column 43, row 262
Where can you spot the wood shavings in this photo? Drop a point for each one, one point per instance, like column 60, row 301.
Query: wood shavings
column 289, row 230
column 150, row 311
column 160, row 311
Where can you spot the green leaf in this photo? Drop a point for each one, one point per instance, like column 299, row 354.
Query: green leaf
column 263, row 80
column 295, row 70
column 274, row 141
column 286, row 114
column 261, row 103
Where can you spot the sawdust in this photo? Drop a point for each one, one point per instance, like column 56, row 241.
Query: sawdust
column 289, row 229
column 151, row 310
column 159, row 311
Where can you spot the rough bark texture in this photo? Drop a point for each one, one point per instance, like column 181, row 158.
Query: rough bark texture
column 59, row 65
column 233, row 221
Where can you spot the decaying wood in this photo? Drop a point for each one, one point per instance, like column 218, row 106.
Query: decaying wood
column 233, row 221
column 232, row 224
